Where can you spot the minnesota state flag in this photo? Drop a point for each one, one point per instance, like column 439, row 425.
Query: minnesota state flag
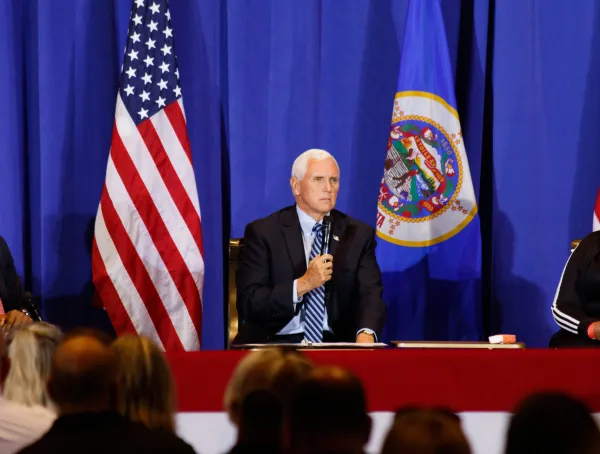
column 429, row 245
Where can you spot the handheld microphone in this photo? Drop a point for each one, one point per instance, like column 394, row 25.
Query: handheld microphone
column 326, row 235
column 327, row 221
column 28, row 305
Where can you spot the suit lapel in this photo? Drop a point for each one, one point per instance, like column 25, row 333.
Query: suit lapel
column 337, row 236
column 339, row 226
column 293, row 239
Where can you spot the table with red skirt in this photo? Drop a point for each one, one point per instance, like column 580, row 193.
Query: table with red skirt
column 482, row 385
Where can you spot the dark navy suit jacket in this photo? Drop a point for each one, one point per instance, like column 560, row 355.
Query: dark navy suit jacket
column 273, row 256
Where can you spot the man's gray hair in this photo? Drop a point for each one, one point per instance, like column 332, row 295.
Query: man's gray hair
column 30, row 350
column 301, row 162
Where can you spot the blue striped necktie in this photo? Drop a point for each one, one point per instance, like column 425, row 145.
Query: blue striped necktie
column 315, row 304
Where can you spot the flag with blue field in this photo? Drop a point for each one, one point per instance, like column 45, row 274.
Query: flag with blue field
column 429, row 243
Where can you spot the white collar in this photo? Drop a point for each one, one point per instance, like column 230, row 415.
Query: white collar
column 306, row 222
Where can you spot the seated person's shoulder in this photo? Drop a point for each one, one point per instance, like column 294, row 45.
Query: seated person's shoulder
column 172, row 443
column 595, row 236
column 132, row 436
column 361, row 227
column 259, row 224
column 158, row 441
column 269, row 221
column 3, row 245
column 590, row 241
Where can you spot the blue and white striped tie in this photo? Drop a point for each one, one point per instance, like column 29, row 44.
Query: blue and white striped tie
column 315, row 304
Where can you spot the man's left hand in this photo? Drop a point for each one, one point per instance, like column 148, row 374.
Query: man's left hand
column 365, row 338
column 13, row 319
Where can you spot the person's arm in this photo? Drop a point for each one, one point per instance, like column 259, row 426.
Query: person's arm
column 371, row 309
column 258, row 300
column 12, row 303
column 567, row 308
column 11, row 279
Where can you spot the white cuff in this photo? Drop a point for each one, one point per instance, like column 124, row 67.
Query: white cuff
column 295, row 297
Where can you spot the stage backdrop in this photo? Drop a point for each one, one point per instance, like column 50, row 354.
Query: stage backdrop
column 265, row 80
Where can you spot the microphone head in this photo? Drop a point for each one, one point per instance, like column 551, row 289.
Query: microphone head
column 327, row 221
column 29, row 305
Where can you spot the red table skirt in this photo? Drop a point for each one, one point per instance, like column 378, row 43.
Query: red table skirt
column 463, row 380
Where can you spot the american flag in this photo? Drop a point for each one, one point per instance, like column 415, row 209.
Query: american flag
column 147, row 258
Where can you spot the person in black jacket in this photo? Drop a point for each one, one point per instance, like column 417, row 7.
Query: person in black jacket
column 282, row 278
column 576, row 306
column 11, row 291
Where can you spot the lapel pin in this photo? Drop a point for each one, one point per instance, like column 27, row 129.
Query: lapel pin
column 336, row 238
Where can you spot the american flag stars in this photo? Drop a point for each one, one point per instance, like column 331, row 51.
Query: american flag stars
column 150, row 75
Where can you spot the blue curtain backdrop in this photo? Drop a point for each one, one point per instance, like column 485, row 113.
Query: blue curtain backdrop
column 263, row 80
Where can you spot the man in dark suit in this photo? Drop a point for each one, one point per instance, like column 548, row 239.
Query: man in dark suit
column 11, row 291
column 282, row 280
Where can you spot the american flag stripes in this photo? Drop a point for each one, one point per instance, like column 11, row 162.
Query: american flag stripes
column 147, row 258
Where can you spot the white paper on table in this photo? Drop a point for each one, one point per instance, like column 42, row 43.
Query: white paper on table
column 340, row 345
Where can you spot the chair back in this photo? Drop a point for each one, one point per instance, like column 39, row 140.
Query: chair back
column 236, row 248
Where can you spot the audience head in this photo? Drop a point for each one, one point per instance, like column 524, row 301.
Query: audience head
column 30, row 351
column 261, row 421
column 274, row 370
column 145, row 390
column 83, row 373
column 328, row 413
column 553, row 424
column 425, row 431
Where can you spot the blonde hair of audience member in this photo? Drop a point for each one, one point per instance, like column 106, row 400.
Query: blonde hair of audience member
column 30, row 351
column 145, row 386
column 426, row 432
column 274, row 369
